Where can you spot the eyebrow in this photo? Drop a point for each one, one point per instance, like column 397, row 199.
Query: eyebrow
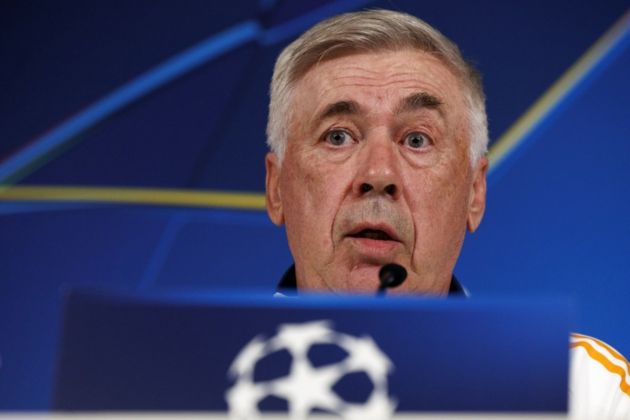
column 339, row 108
column 418, row 101
column 413, row 102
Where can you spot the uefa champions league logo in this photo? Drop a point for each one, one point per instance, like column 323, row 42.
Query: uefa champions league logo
column 307, row 387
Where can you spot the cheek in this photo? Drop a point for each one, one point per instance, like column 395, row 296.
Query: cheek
column 311, row 196
column 303, row 187
column 438, row 205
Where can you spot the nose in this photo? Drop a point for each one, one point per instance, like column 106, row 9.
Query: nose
column 378, row 170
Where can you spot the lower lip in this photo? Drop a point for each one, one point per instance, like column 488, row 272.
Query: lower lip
column 374, row 247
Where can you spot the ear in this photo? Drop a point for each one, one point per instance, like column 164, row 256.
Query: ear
column 273, row 198
column 477, row 203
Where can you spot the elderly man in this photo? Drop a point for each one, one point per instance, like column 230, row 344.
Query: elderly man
column 378, row 135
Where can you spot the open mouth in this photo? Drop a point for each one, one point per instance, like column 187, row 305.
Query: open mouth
column 375, row 234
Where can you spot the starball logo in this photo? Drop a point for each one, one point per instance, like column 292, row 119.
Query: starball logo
column 309, row 388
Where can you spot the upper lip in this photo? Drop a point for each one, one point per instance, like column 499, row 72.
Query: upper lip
column 385, row 228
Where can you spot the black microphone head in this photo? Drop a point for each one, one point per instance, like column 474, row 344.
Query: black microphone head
column 392, row 275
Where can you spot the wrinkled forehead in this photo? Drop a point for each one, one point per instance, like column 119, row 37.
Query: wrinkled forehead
column 384, row 76
column 307, row 60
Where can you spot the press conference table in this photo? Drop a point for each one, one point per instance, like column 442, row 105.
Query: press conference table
column 222, row 416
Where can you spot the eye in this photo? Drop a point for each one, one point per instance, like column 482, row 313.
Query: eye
column 337, row 137
column 417, row 140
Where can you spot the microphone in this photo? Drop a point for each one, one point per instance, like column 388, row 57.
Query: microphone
column 390, row 276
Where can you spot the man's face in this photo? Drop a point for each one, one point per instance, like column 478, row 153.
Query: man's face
column 376, row 170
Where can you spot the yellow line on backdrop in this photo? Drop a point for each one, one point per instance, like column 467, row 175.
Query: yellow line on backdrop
column 150, row 196
column 568, row 81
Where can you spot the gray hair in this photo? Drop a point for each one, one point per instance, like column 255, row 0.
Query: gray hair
column 370, row 31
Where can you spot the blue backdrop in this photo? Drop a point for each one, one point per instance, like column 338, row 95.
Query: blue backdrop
column 132, row 145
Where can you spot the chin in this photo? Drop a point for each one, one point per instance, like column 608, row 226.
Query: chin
column 362, row 280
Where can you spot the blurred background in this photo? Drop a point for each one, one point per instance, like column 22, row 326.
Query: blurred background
column 132, row 145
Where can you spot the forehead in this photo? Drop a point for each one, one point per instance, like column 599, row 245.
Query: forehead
column 383, row 77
